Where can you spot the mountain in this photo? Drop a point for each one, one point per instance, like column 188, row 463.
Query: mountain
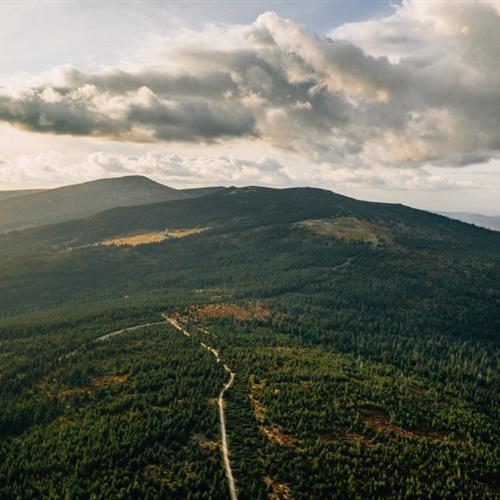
column 243, row 208
column 291, row 218
column 487, row 221
column 71, row 202
column 358, row 346
column 6, row 195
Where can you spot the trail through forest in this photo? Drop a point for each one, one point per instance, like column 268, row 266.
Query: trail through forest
column 110, row 335
column 227, row 386
column 222, row 418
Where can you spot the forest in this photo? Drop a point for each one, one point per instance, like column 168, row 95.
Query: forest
column 364, row 339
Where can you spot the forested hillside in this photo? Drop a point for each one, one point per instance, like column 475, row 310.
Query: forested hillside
column 364, row 338
column 39, row 207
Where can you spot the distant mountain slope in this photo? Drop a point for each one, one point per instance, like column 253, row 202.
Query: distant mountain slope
column 486, row 221
column 315, row 210
column 6, row 195
column 72, row 202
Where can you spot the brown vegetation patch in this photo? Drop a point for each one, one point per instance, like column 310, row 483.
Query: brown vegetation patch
column 96, row 383
column 233, row 311
column 72, row 392
column 349, row 229
column 273, row 432
column 133, row 241
column 279, row 491
column 107, row 380
column 379, row 421
column 258, row 408
column 152, row 237
column 357, row 438
column 182, row 233
column 43, row 385
column 204, row 442
column 277, row 434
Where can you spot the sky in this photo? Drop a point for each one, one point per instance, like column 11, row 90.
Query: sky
column 387, row 101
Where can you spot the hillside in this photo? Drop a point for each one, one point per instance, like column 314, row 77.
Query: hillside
column 71, row 202
column 239, row 209
column 6, row 195
column 364, row 340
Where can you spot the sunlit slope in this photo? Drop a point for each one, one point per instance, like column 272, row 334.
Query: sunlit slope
column 389, row 260
column 251, row 207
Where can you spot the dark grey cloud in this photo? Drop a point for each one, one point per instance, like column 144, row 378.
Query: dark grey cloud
column 33, row 113
column 136, row 118
column 116, row 81
column 419, row 86
column 192, row 119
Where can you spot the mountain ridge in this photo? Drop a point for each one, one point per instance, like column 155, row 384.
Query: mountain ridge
column 243, row 208
column 16, row 193
column 85, row 199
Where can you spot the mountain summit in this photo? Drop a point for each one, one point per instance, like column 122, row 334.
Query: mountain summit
column 80, row 200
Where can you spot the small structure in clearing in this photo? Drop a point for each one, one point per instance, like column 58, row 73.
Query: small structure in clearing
column 153, row 237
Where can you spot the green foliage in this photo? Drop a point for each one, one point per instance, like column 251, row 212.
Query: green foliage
column 376, row 375
column 130, row 416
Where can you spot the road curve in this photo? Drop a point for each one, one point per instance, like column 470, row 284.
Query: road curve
column 222, row 419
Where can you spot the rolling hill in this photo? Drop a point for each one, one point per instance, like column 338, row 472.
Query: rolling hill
column 7, row 195
column 71, row 202
column 239, row 209
column 363, row 339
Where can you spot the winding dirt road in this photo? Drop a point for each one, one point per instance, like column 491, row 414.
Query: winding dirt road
column 222, row 419
column 110, row 335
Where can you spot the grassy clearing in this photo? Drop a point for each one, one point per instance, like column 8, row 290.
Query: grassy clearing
column 152, row 237
column 133, row 241
column 349, row 229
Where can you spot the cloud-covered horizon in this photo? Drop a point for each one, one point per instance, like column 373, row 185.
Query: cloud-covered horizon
column 404, row 107
column 181, row 171
column 420, row 86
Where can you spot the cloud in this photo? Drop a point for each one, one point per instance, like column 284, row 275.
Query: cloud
column 448, row 101
column 139, row 116
column 418, row 87
column 50, row 169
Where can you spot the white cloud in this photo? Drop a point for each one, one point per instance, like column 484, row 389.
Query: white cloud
column 179, row 171
column 376, row 104
column 340, row 101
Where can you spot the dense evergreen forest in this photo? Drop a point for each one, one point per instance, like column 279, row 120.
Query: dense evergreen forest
column 364, row 338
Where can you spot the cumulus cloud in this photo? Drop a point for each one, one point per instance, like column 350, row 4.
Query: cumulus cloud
column 50, row 169
column 420, row 86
